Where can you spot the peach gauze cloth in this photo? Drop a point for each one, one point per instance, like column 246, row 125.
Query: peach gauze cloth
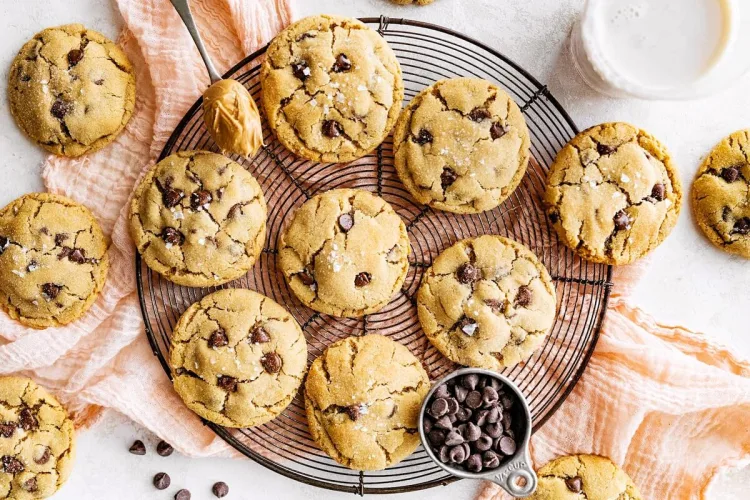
column 668, row 404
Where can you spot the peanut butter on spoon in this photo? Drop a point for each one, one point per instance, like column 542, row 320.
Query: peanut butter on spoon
column 229, row 110
column 232, row 118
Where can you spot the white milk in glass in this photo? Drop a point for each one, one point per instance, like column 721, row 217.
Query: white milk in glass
column 662, row 49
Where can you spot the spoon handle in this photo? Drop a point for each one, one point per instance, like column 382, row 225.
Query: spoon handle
column 183, row 9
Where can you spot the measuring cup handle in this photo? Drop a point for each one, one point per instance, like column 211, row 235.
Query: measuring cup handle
column 519, row 468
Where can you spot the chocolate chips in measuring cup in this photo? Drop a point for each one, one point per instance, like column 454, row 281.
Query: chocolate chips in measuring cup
column 469, row 422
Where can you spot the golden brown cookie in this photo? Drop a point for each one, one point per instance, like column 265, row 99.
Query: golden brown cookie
column 362, row 399
column 198, row 219
column 345, row 253
column 461, row 145
column 613, row 194
column 237, row 358
column 53, row 260
column 584, row 476
column 721, row 195
column 332, row 88
column 487, row 302
column 71, row 90
column 37, row 441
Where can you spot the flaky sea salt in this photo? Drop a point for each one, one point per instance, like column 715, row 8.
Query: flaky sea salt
column 18, row 273
column 202, row 241
column 624, row 178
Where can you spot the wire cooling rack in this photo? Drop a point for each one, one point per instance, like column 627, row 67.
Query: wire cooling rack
column 427, row 53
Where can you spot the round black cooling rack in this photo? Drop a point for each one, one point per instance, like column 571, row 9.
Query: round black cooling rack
column 427, row 53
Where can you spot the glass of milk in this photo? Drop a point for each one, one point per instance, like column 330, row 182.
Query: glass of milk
column 662, row 49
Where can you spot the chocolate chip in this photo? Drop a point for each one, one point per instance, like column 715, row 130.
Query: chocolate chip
column 457, row 454
column 474, row 400
column 44, row 457
column 220, row 489
column 447, row 178
column 27, row 420
column 77, row 255
column 484, row 443
column 442, row 392
column 523, row 296
column 61, row 108
column 497, row 306
column 444, row 423
column 507, row 446
column 301, row 70
column 353, row 411
column 306, row 278
column 271, row 362
column 554, row 217
column 497, row 130
column 171, row 197
column 259, row 335
column 7, row 430
column 730, row 174
column 444, row 454
column 659, row 192
column 453, row 406
column 100, row 81
column 622, row 221
column 4, row 243
column 12, row 465
column 199, row 199
column 137, row 448
column 227, row 383
column 468, row 326
column 489, row 396
column 50, row 291
column 460, row 392
column 74, row 57
column 218, row 339
column 463, row 414
column 30, row 485
column 494, row 430
column 332, row 128
column 436, row 437
column 362, row 279
column 742, row 226
column 342, row 64
column 439, row 407
column 162, row 481
column 479, row 114
column 60, row 238
column 604, row 150
column 474, row 463
column 507, row 402
column 235, row 211
column 574, row 484
column 183, row 494
column 423, row 137
column 33, row 266
column 172, row 236
column 164, row 449
column 494, row 414
column 427, row 424
column 454, row 438
column 470, row 381
column 468, row 274
column 25, row 78
column 473, row 432
column 346, row 222
column 490, row 459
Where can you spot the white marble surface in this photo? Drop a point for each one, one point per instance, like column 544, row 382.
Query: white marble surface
column 688, row 282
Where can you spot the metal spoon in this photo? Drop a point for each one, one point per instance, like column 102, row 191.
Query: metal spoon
column 183, row 9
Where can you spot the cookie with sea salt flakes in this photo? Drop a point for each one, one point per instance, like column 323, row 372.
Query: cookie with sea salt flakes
column 487, row 303
column 345, row 253
column 332, row 88
column 53, row 260
column 362, row 400
column 71, row 90
column 613, row 194
column 198, row 219
column 237, row 358
column 461, row 145
column 721, row 195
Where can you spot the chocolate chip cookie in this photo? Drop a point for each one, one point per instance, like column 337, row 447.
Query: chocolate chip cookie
column 332, row 88
column 198, row 219
column 53, row 260
column 584, row 476
column 345, row 253
column 487, row 302
column 721, row 195
column 362, row 399
column 237, row 358
column 71, row 90
column 37, row 442
column 613, row 194
column 461, row 145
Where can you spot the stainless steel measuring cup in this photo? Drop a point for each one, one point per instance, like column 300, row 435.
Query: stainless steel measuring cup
column 514, row 474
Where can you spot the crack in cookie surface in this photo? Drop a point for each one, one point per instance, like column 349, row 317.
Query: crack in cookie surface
column 345, row 253
column 362, row 399
column 332, row 88
column 461, row 145
column 613, row 194
column 53, row 260
column 225, row 370
column 199, row 219
column 37, row 442
column 584, row 476
column 721, row 195
column 486, row 302
column 71, row 90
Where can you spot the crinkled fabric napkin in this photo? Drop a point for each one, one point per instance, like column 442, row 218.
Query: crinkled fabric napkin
column 667, row 404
